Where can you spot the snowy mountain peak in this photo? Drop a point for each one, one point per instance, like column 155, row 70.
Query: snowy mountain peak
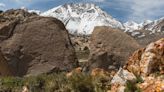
column 155, row 26
column 130, row 26
column 130, row 23
column 146, row 22
column 81, row 18
column 148, row 27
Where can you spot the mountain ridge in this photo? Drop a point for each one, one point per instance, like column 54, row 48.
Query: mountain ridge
column 81, row 18
column 84, row 16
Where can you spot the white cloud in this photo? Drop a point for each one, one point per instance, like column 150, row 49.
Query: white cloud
column 22, row 0
column 98, row 0
column 140, row 10
column 2, row 5
column 146, row 9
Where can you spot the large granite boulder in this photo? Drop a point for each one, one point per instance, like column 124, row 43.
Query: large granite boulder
column 110, row 48
column 33, row 45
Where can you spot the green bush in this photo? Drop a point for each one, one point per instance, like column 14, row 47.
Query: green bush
column 131, row 86
column 10, row 84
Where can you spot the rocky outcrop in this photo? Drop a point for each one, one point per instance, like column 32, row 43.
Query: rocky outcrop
column 9, row 20
column 145, row 64
column 122, row 76
column 152, row 84
column 110, row 48
column 33, row 45
column 148, row 60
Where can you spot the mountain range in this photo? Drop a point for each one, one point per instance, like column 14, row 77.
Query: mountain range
column 81, row 19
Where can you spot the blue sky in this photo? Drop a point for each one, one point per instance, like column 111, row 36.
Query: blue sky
column 123, row 10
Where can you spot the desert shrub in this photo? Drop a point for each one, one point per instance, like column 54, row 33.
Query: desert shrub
column 101, row 83
column 35, row 83
column 56, row 82
column 139, row 79
column 10, row 84
column 81, row 83
column 131, row 86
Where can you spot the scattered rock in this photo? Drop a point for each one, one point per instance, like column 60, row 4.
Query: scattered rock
column 122, row 76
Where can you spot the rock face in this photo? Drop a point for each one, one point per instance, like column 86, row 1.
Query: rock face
column 33, row 45
column 152, row 84
column 148, row 60
column 9, row 20
column 145, row 64
column 4, row 67
column 110, row 47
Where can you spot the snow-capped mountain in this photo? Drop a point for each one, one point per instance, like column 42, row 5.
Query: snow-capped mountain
column 82, row 18
column 155, row 26
column 146, row 22
column 147, row 27
column 130, row 26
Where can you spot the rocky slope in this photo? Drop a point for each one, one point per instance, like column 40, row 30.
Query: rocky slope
column 145, row 32
column 33, row 45
column 147, row 28
column 82, row 18
column 147, row 37
column 155, row 26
